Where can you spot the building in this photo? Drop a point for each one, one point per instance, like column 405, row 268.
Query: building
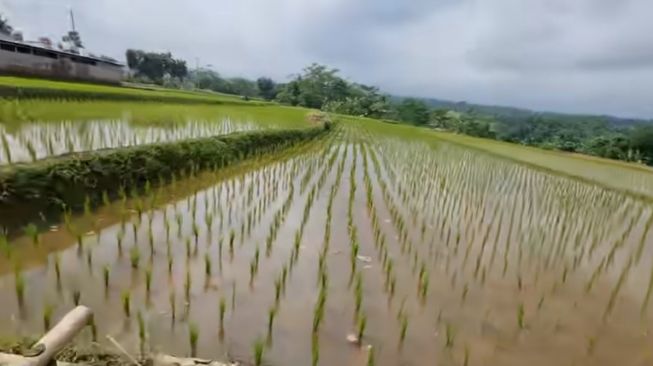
column 20, row 58
column 67, row 61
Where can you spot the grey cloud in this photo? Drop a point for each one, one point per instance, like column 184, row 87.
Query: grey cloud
column 581, row 55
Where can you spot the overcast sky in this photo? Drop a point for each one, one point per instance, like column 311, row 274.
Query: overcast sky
column 592, row 56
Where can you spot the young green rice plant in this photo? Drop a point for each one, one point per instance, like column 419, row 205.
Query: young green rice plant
column 450, row 335
column 5, row 248
column 403, row 329
column 277, row 290
column 134, row 256
column 232, row 238
column 106, row 272
column 362, row 324
column 173, row 304
column 258, row 348
column 187, row 285
column 193, row 336
column 233, row 296
column 19, row 281
column 272, row 313
column 89, row 260
column 315, row 349
column 77, row 295
column 188, row 251
column 119, row 238
column 57, row 268
column 126, row 302
column 33, row 233
column 93, row 327
column 207, row 265
column 6, row 148
column 520, row 316
column 148, row 279
column 223, row 309
column 141, row 332
column 48, row 309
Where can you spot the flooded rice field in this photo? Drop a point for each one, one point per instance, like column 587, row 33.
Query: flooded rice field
column 35, row 130
column 359, row 249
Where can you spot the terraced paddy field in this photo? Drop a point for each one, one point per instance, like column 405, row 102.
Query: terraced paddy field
column 377, row 244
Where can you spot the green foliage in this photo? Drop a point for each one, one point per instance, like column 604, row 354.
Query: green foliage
column 155, row 66
column 412, row 111
column 43, row 187
column 267, row 88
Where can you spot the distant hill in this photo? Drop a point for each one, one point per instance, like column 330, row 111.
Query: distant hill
column 507, row 114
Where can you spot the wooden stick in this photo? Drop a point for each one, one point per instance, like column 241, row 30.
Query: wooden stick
column 121, row 349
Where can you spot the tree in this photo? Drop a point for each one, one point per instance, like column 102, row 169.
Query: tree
column 641, row 139
column 316, row 86
column 177, row 68
column 266, row 88
column 155, row 66
column 242, row 86
column 413, row 111
column 289, row 93
column 5, row 27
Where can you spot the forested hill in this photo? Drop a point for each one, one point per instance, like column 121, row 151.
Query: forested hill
column 519, row 114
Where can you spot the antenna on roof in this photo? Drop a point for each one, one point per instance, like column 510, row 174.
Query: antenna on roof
column 72, row 19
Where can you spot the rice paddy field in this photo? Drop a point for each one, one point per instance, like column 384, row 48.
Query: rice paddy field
column 380, row 244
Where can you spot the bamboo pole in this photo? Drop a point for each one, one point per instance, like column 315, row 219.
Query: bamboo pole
column 52, row 342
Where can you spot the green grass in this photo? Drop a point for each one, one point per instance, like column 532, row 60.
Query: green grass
column 32, row 85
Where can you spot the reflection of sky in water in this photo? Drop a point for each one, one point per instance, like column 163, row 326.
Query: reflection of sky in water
column 50, row 139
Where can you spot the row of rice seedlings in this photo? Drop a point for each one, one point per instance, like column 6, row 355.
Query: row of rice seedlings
column 39, row 140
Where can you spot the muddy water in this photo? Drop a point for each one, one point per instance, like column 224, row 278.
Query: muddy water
column 522, row 267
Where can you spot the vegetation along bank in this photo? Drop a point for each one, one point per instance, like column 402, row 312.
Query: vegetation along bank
column 77, row 181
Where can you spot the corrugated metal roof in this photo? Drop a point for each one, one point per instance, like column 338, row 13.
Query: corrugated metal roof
column 60, row 52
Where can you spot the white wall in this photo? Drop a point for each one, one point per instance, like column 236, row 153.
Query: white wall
column 14, row 62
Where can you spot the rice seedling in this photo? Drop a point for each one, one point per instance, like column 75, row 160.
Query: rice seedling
column 403, row 329
column 173, row 304
column 148, row 280
column 5, row 248
column 222, row 311
column 126, row 303
column 187, row 285
column 48, row 309
column 93, row 327
column 450, row 335
column 258, row 349
column 233, row 296
column 272, row 313
column 33, row 233
column 193, row 336
column 520, row 316
column 362, row 324
column 134, row 257
column 315, row 350
column 19, row 285
column 141, row 332
column 77, row 295
column 106, row 271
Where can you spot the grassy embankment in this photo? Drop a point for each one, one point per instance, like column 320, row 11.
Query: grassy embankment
column 47, row 185
column 635, row 180
column 74, row 181
column 18, row 87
